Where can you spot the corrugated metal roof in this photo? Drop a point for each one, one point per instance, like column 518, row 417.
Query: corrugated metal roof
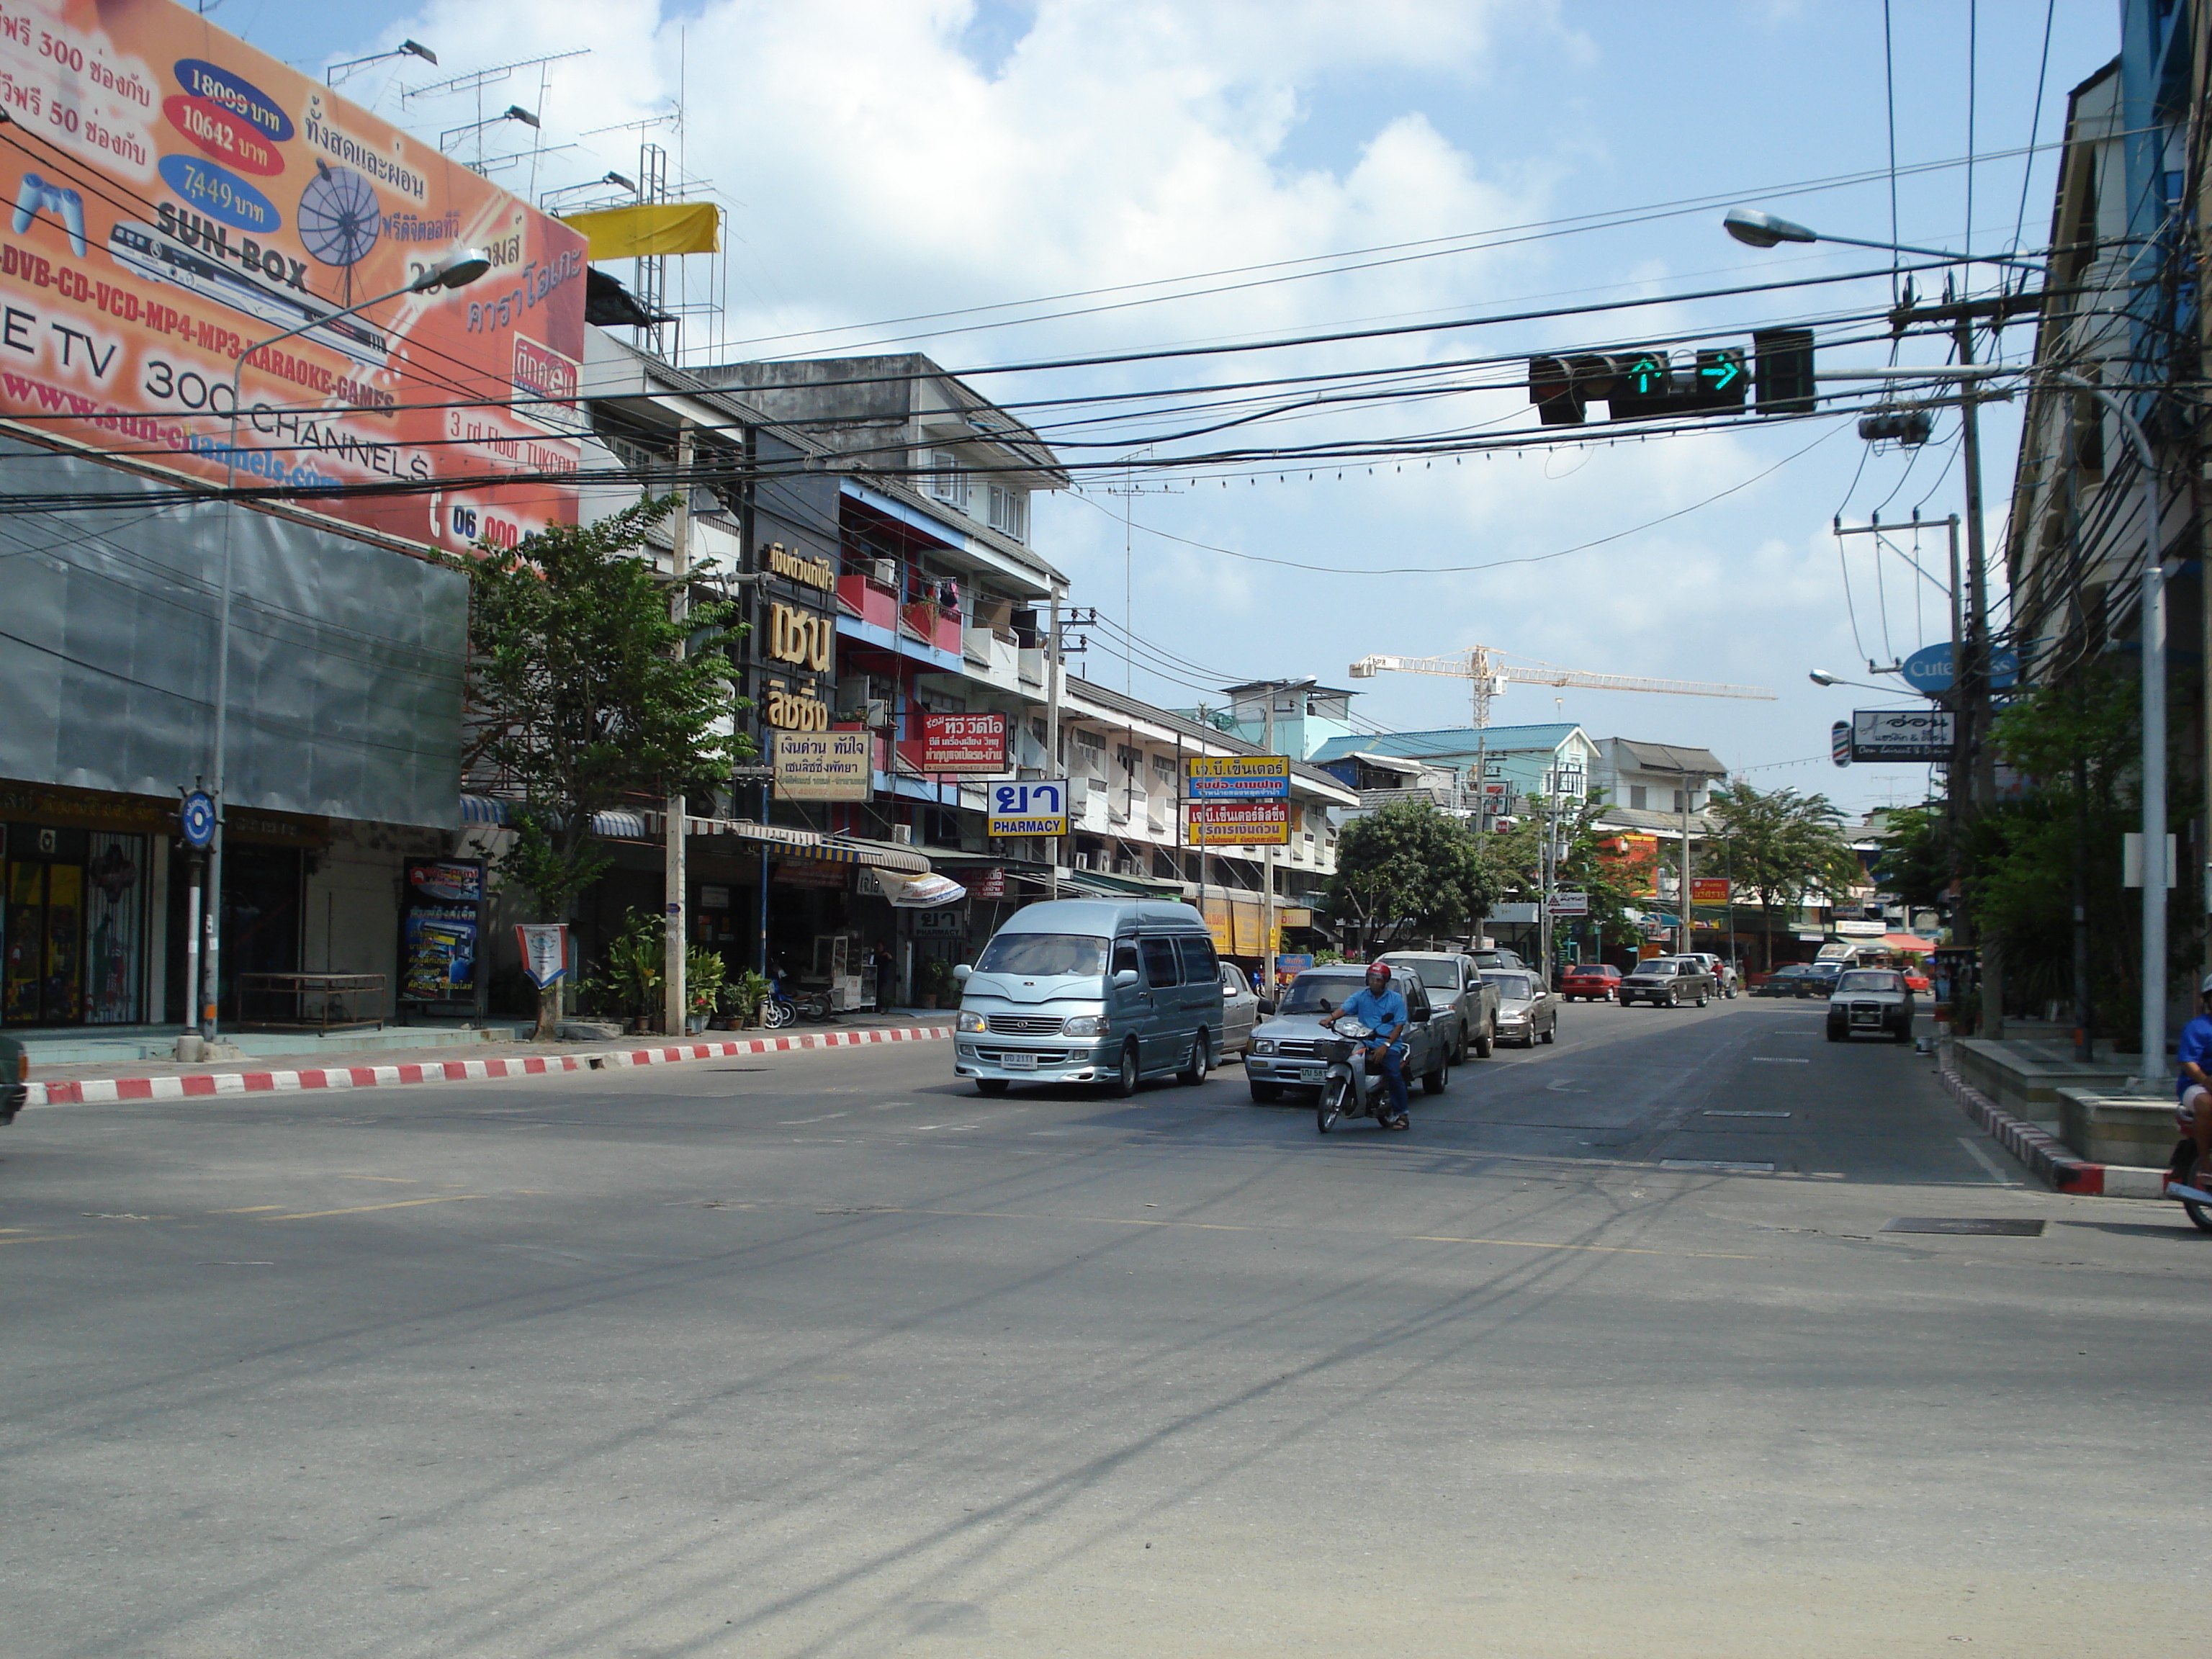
column 1452, row 742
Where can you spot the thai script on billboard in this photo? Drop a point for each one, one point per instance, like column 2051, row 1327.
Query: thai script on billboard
column 1240, row 823
column 1238, row 777
column 180, row 198
column 973, row 744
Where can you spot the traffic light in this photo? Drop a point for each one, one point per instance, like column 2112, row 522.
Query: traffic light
column 1909, row 426
column 1644, row 386
column 1785, row 370
column 1563, row 388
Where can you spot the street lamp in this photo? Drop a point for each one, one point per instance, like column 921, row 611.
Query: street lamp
column 1822, row 676
column 512, row 112
column 1756, row 229
column 455, row 271
column 405, row 49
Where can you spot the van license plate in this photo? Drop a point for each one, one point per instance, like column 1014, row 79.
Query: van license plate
column 1019, row 1062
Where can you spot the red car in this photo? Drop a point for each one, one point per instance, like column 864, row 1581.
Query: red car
column 1590, row 982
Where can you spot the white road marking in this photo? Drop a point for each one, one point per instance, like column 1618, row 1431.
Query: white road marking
column 1777, row 1059
column 787, row 1123
column 1995, row 1170
column 1714, row 1113
column 1717, row 1165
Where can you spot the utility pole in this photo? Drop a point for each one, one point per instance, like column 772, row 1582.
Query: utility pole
column 675, row 1007
column 1267, row 870
column 1972, row 677
column 1687, row 940
column 1052, row 739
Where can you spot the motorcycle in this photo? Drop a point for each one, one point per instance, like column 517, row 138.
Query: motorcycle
column 786, row 1007
column 1350, row 1089
column 2195, row 1201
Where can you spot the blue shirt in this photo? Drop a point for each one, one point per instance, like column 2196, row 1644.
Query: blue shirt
column 2196, row 1044
column 1387, row 1011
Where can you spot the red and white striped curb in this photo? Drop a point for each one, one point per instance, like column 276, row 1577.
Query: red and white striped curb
column 106, row 1091
column 2047, row 1157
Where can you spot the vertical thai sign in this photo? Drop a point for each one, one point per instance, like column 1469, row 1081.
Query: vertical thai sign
column 179, row 197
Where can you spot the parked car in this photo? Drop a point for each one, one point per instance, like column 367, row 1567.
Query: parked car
column 1463, row 998
column 1918, row 983
column 1240, row 1010
column 1668, row 982
column 1091, row 991
column 1591, row 982
column 1784, row 981
column 1871, row 1000
column 1527, row 1011
column 14, row 1079
column 1289, row 1051
column 1821, row 977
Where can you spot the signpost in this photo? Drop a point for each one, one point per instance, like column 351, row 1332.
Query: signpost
column 1570, row 902
column 1238, row 777
column 1239, row 824
column 971, row 745
column 822, row 765
column 1029, row 809
column 1901, row 734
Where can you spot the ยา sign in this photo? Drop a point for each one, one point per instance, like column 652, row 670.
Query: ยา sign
column 1029, row 809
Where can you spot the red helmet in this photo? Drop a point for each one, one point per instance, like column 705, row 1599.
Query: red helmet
column 1379, row 968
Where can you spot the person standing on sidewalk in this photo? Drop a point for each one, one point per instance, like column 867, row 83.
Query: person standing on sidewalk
column 2195, row 1085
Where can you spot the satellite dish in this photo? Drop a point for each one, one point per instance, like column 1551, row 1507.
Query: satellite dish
column 339, row 217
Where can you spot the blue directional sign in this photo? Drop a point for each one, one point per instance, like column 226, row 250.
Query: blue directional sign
column 198, row 817
column 1928, row 671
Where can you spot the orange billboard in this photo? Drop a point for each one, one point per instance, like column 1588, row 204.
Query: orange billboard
column 177, row 198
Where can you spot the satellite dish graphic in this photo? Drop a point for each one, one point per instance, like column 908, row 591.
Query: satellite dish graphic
column 339, row 218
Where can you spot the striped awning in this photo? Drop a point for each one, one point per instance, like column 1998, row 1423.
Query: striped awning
column 616, row 824
column 622, row 824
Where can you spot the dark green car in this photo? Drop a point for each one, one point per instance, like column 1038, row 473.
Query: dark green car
column 14, row 1079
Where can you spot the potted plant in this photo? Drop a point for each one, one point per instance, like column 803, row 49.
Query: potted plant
column 744, row 997
column 937, row 982
column 635, row 958
column 704, row 976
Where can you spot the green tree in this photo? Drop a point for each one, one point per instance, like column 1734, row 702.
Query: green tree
column 577, row 697
column 1410, row 870
column 1783, row 845
column 1583, row 862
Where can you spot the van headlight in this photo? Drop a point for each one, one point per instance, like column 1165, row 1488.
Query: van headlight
column 1263, row 1045
column 1089, row 1025
column 969, row 1022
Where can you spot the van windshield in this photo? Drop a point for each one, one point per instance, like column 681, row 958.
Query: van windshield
column 1044, row 956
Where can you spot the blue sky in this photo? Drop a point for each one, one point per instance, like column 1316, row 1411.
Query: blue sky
column 881, row 160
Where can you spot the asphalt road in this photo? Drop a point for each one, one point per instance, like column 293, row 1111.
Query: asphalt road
column 821, row 1354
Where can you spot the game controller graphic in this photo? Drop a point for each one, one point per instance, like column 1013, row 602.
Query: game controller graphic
column 38, row 197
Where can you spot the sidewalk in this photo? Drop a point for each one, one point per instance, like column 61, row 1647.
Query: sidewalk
column 93, row 1083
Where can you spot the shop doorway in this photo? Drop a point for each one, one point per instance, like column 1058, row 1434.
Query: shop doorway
column 43, row 982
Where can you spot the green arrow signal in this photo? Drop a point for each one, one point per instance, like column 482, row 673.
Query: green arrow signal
column 1723, row 372
column 1647, row 372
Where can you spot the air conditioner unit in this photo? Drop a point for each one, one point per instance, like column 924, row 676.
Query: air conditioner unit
column 876, row 713
column 1125, row 866
column 885, row 573
column 902, row 834
column 1086, row 860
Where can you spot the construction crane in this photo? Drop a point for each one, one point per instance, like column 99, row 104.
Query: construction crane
column 1481, row 665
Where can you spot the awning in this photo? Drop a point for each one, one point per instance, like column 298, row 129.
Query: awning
column 615, row 823
column 1092, row 884
column 626, row 824
column 1907, row 942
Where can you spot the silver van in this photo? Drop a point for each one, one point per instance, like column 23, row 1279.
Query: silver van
column 1108, row 991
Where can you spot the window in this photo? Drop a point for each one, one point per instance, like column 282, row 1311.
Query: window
column 1681, row 800
column 1637, row 795
column 1010, row 512
column 1199, row 964
column 1161, row 968
column 946, row 481
column 1042, row 955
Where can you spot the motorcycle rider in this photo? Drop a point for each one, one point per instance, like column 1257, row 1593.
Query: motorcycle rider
column 1382, row 1012
column 2194, row 1086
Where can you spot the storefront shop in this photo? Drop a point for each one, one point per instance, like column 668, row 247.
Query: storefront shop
column 78, row 876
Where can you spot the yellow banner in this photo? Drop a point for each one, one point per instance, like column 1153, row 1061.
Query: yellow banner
column 650, row 229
